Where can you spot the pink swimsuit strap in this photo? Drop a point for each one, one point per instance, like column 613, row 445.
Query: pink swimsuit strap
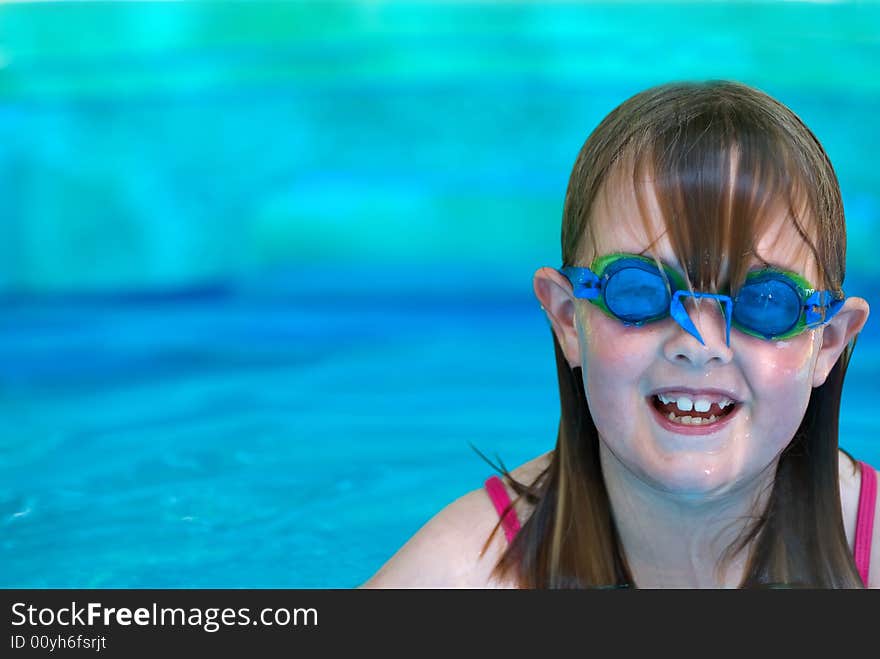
column 864, row 516
column 865, row 521
column 503, row 506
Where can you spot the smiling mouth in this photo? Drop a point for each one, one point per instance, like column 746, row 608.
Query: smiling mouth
column 686, row 411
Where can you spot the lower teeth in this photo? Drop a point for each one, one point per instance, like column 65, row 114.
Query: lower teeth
column 691, row 420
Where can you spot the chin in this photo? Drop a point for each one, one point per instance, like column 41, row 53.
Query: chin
column 690, row 476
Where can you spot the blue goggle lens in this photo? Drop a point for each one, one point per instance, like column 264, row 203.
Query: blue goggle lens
column 636, row 295
column 770, row 307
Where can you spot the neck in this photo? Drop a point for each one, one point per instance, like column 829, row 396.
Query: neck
column 675, row 540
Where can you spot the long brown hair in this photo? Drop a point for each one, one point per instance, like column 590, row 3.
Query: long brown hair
column 721, row 156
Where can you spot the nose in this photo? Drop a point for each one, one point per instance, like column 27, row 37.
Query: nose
column 703, row 335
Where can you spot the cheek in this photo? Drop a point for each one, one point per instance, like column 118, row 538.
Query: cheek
column 614, row 358
column 780, row 375
column 784, row 365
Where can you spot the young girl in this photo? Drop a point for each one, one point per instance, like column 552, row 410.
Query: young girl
column 702, row 336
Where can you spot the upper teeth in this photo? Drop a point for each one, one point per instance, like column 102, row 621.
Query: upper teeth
column 686, row 404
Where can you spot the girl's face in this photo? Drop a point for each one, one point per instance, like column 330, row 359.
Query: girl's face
column 625, row 368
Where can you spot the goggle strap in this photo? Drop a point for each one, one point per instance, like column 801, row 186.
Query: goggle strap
column 820, row 307
column 584, row 283
column 833, row 308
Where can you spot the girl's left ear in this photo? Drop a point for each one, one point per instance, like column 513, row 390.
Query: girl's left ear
column 848, row 322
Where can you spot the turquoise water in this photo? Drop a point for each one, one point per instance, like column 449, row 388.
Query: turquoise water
column 265, row 269
column 229, row 437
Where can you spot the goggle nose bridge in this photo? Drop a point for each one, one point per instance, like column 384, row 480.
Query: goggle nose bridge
column 680, row 315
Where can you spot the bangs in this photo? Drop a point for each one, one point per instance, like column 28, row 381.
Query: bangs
column 719, row 188
column 725, row 163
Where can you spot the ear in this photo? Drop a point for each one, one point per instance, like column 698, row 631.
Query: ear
column 554, row 292
column 837, row 334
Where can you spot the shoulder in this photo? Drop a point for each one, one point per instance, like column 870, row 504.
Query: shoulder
column 850, row 488
column 451, row 549
column 448, row 551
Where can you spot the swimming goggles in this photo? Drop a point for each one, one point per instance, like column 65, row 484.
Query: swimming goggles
column 771, row 304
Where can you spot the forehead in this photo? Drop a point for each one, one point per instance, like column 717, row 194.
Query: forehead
column 618, row 223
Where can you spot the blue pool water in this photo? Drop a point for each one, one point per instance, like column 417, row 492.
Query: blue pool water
column 230, row 437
